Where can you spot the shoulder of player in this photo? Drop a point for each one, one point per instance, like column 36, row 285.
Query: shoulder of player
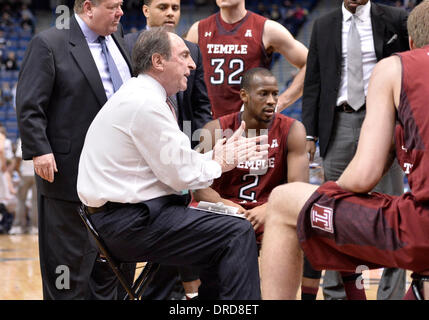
column 275, row 32
column 192, row 34
column 296, row 134
column 388, row 68
column 284, row 119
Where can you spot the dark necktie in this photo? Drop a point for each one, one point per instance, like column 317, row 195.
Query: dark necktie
column 355, row 85
column 172, row 108
column 113, row 70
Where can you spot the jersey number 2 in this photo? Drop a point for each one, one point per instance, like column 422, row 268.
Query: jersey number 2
column 252, row 195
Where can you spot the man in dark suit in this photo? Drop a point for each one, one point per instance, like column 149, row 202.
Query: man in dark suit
column 193, row 110
column 335, row 87
column 67, row 76
column 193, row 104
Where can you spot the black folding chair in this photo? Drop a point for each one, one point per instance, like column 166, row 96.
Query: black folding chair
column 417, row 285
column 135, row 291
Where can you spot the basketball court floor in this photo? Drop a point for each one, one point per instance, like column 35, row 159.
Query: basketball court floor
column 20, row 272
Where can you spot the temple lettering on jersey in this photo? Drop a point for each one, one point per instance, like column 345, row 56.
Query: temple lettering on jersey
column 228, row 51
column 227, row 48
column 257, row 164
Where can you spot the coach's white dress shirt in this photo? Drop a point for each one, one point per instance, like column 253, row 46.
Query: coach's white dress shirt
column 134, row 150
column 364, row 27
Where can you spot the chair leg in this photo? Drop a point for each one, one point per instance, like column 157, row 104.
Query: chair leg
column 418, row 285
column 144, row 279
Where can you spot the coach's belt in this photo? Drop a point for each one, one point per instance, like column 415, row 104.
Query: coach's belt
column 345, row 107
column 105, row 207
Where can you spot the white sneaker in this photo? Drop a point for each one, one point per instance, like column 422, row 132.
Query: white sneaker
column 16, row 230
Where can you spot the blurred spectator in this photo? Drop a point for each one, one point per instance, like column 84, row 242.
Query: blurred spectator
column 10, row 62
column 26, row 12
column 3, row 40
column 409, row 5
column 6, row 94
column 27, row 23
column 6, row 20
column 399, row 4
column 262, row 10
column 7, row 191
column 275, row 13
column 27, row 183
column 300, row 14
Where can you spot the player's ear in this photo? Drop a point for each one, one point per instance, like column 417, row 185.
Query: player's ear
column 244, row 96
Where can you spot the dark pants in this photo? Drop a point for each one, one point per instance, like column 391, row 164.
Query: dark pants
column 164, row 230
column 68, row 255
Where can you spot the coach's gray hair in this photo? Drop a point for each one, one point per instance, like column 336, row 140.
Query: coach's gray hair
column 150, row 42
column 78, row 5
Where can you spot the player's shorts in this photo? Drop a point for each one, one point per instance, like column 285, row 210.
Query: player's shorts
column 339, row 230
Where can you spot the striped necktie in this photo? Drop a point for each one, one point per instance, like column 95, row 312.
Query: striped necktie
column 171, row 105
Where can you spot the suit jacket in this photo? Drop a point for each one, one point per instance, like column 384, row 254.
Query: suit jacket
column 59, row 93
column 193, row 103
column 323, row 75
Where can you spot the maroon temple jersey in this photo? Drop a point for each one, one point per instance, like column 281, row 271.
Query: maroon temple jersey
column 251, row 182
column 412, row 132
column 228, row 51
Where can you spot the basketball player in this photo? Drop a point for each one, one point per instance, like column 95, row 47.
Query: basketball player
column 249, row 185
column 340, row 225
column 235, row 40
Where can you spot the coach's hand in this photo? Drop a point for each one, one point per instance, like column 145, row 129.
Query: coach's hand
column 228, row 153
column 45, row 166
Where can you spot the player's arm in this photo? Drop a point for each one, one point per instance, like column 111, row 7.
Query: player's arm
column 277, row 38
column 192, row 34
column 297, row 159
column 297, row 168
column 369, row 163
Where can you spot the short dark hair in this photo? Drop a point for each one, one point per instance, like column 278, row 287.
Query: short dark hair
column 249, row 74
column 154, row 40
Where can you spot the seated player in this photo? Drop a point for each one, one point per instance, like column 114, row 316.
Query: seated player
column 249, row 185
column 340, row 225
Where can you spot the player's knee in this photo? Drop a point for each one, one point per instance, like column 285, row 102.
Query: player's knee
column 278, row 208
